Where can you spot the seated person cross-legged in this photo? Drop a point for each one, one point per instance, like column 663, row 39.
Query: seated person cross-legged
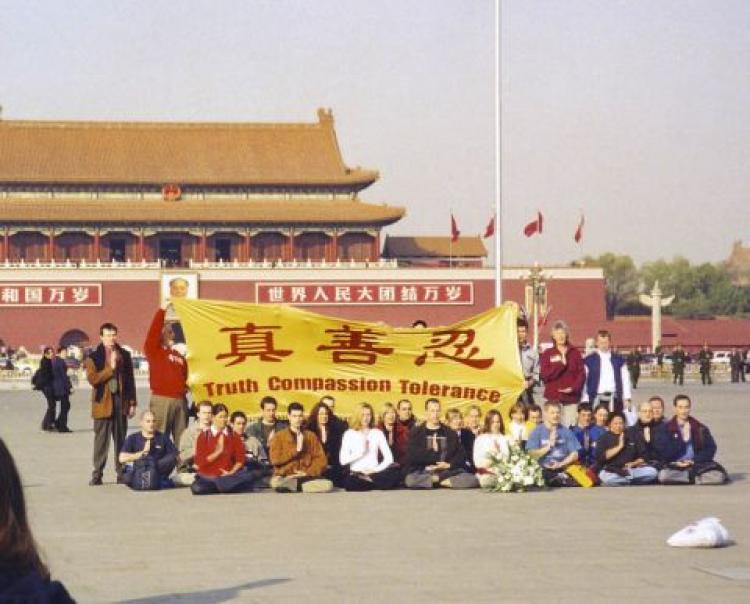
column 256, row 459
column 556, row 449
column 145, row 452
column 434, row 455
column 645, row 428
column 587, row 433
column 361, row 446
column 297, row 457
column 620, row 455
column 687, row 449
column 490, row 442
column 184, row 474
column 330, row 430
column 220, row 458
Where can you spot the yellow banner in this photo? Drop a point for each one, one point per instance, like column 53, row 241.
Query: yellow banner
column 240, row 352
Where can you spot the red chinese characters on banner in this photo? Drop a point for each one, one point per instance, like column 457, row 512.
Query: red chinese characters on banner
column 355, row 345
column 365, row 293
column 50, row 294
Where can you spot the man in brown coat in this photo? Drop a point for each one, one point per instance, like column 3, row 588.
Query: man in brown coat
column 109, row 370
column 297, row 457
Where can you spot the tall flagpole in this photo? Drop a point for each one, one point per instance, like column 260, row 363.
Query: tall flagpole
column 498, row 158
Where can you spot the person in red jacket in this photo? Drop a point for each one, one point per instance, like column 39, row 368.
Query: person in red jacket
column 220, row 458
column 167, row 374
column 563, row 373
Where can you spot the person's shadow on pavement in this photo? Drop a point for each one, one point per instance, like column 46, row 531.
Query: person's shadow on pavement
column 209, row 596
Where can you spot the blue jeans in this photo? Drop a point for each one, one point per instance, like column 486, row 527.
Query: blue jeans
column 639, row 475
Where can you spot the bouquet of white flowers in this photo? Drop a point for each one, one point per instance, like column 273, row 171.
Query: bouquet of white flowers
column 517, row 472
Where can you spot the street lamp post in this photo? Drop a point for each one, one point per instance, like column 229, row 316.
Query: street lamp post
column 536, row 299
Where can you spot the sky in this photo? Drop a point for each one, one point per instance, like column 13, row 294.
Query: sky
column 634, row 113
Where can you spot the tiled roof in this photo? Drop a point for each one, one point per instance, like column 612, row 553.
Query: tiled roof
column 181, row 153
column 200, row 211
column 433, row 247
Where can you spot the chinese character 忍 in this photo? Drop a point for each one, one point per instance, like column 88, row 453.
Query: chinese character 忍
column 459, row 340
column 252, row 341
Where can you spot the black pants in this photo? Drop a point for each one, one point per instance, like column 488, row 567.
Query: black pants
column 62, row 420
column 48, row 421
column 706, row 377
column 242, row 480
column 679, row 375
column 381, row 481
column 110, row 429
column 635, row 375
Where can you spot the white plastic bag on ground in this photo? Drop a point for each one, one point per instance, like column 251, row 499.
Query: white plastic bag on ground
column 706, row 532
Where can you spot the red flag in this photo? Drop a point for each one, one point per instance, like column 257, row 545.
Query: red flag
column 579, row 231
column 454, row 229
column 535, row 226
column 489, row 230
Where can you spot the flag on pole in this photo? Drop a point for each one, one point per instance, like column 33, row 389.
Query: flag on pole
column 535, row 226
column 454, row 229
column 579, row 231
column 489, row 230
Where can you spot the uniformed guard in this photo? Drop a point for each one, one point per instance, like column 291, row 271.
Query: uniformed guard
column 704, row 359
column 679, row 358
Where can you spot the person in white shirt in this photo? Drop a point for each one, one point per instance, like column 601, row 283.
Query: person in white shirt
column 490, row 442
column 361, row 448
column 607, row 378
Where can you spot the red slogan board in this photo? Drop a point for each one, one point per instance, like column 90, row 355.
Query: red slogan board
column 50, row 294
column 365, row 293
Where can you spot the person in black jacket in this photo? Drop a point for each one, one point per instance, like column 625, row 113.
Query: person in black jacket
column 455, row 421
column 61, row 388
column 620, row 455
column 330, row 430
column 23, row 575
column 645, row 429
column 434, row 455
column 688, row 449
column 46, row 385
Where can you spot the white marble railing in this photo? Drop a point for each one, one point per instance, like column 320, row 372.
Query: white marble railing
column 38, row 264
column 301, row 264
column 235, row 264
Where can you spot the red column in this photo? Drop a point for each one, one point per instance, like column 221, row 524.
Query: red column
column 141, row 246
column 51, row 254
column 203, row 246
column 377, row 248
column 96, row 245
column 291, row 252
column 247, row 248
column 6, row 250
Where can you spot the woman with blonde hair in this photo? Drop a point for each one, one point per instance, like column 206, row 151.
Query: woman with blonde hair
column 360, row 448
column 387, row 424
column 491, row 442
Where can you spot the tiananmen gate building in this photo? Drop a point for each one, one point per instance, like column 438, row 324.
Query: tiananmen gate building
column 96, row 218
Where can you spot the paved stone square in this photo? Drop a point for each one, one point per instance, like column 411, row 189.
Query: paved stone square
column 108, row 544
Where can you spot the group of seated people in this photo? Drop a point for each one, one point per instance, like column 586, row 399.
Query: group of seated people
column 222, row 453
